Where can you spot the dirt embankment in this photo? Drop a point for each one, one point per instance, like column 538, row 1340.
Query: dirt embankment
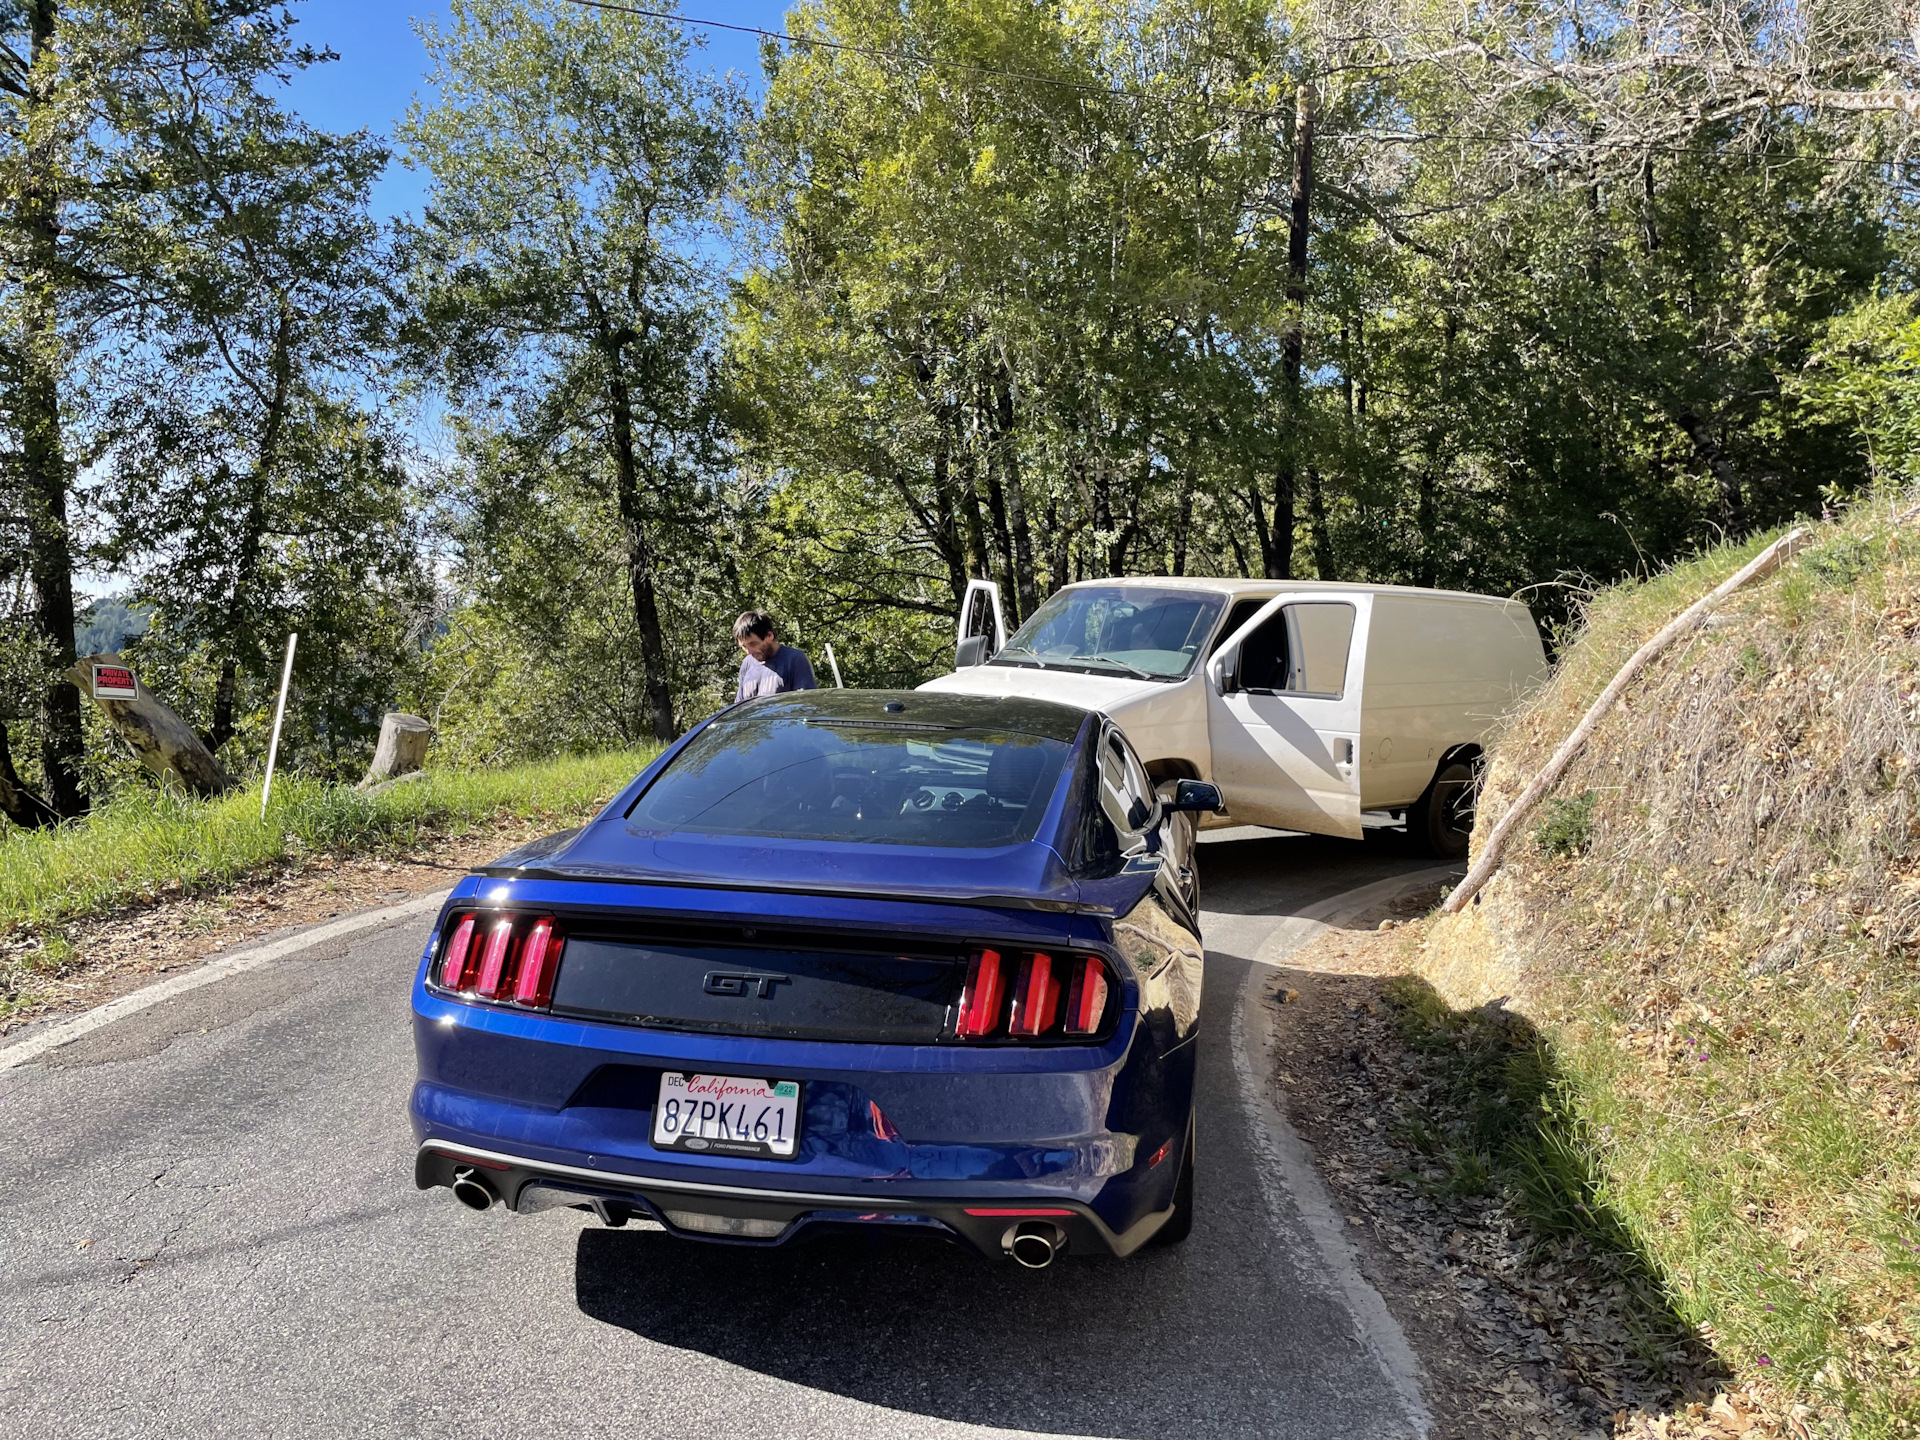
column 1714, row 929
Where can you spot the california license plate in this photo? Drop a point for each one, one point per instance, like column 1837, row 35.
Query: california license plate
column 726, row 1115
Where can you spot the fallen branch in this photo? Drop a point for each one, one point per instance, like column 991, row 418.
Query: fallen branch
column 160, row 739
column 1765, row 563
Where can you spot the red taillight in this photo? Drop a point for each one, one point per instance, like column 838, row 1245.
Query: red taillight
column 1036, row 996
column 508, row 957
column 456, row 959
column 980, row 1001
column 493, row 961
column 1087, row 1000
column 539, row 960
column 1033, row 996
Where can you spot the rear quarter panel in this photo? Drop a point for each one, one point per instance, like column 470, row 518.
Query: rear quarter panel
column 1440, row 672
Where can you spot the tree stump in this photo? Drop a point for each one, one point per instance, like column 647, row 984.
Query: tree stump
column 402, row 748
column 162, row 741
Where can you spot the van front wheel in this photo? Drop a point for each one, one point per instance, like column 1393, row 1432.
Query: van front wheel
column 1441, row 821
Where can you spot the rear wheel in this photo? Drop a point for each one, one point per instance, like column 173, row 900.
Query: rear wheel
column 1180, row 1226
column 1441, row 821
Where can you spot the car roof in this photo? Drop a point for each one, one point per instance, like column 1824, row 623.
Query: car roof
column 1047, row 719
column 1225, row 585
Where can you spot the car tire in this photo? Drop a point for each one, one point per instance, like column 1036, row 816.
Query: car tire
column 1441, row 820
column 1180, row 1224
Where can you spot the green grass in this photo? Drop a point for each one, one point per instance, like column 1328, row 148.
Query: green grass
column 146, row 844
column 1716, row 934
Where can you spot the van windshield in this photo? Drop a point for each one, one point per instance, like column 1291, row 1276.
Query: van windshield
column 1150, row 633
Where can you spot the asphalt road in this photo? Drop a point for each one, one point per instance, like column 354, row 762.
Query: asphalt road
column 208, row 1227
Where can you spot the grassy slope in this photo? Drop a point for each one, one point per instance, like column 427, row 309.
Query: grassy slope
column 147, row 844
column 1717, row 930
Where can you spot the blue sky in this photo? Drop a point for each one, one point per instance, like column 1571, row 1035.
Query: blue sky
column 382, row 67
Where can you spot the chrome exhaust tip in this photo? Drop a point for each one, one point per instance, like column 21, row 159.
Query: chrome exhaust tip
column 1034, row 1243
column 471, row 1191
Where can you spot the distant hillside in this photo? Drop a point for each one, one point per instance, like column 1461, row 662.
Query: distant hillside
column 1717, row 925
column 107, row 624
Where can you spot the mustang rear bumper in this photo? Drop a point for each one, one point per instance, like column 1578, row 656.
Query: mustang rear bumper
column 746, row 1216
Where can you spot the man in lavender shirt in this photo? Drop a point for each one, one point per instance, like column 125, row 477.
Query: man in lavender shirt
column 769, row 667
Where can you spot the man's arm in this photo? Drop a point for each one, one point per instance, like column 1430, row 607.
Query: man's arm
column 802, row 676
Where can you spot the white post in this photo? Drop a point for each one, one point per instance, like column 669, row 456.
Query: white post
column 836, row 667
column 279, row 714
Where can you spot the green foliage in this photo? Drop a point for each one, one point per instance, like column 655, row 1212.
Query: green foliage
column 141, row 845
column 564, row 302
column 1566, row 825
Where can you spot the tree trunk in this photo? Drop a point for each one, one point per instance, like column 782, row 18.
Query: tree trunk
column 242, row 606
column 1183, row 523
column 646, row 608
column 43, row 461
column 979, row 563
column 997, row 513
column 946, row 512
column 1279, row 551
column 1733, row 509
column 17, row 803
column 1006, row 452
column 1323, row 566
column 1426, row 517
column 159, row 738
column 1062, row 537
column 402, row 749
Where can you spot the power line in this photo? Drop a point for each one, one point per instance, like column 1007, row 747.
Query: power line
column 1380, row 136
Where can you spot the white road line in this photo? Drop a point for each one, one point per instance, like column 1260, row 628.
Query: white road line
column 221, row 967
column 1288, row 1157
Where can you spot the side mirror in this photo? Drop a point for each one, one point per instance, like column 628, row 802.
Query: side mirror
column 1197, row 795
column 971, row 651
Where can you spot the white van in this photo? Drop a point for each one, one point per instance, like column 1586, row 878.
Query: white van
column 1305, row 703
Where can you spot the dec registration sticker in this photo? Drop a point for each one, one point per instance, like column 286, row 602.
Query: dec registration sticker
column 726, row 1115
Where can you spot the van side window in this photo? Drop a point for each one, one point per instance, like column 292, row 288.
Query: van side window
column 1302, row 650
column 1243, row 611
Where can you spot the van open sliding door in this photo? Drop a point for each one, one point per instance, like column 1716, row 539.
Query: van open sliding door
column 1283, row 713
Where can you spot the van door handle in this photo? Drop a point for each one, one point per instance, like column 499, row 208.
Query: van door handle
column 1343, row 754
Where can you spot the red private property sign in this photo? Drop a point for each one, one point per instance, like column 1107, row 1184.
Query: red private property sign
column 114, row 682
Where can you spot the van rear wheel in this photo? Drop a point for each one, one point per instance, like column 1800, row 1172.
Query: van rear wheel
column 1441, row 821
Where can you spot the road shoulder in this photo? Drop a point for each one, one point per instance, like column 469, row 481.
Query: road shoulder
column 1517, row 1334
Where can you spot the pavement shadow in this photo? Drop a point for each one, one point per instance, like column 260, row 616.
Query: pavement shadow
column 1158, row 1344
column 1238, row 875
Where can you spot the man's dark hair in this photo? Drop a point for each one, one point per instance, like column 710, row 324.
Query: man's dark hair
column 754, row 622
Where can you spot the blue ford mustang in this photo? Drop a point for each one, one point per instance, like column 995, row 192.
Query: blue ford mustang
column 838, row 959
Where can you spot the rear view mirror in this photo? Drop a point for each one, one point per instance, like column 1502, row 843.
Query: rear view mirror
column 970, row 651
column 1197, row 795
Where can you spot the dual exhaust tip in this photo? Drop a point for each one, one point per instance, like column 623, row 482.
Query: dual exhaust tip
column 1032, row 1243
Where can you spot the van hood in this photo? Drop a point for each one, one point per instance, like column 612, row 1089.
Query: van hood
column 1104, row 693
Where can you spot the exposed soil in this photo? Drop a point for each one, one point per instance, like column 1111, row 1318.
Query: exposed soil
column 1518, row 1336
column 120, row 952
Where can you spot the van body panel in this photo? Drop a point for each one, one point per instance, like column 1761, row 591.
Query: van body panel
column 1440, row 672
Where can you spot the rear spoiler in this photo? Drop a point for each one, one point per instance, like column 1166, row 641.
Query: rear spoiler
column 609, row 876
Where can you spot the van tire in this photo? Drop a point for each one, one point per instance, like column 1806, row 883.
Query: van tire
column 1441, row 820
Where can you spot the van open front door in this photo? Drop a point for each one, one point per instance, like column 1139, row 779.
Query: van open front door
column 982, row 633
column 1283, row 713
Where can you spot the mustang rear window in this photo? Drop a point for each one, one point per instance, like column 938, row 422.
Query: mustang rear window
column 781, row 776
